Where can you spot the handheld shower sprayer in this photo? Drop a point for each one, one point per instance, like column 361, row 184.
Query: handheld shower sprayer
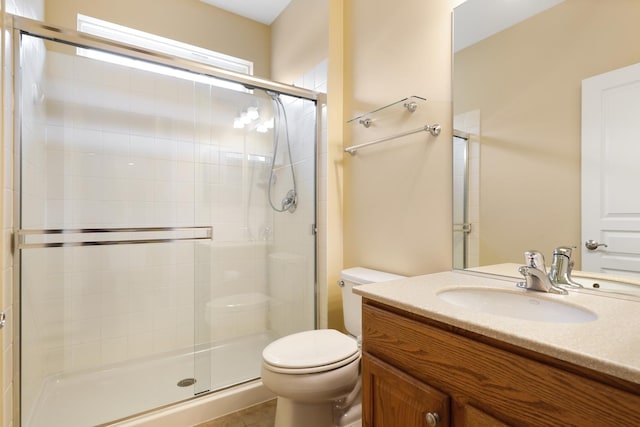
column 290, row 201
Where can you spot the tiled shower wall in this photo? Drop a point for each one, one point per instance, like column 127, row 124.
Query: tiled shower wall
column 109, row 146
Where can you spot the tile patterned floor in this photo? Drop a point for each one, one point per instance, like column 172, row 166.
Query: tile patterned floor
column 261, row 415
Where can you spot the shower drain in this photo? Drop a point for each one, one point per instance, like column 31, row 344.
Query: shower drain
column 186, row 382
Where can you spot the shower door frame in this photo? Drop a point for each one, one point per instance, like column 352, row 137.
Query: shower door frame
column 461, row 228
column 24, row 26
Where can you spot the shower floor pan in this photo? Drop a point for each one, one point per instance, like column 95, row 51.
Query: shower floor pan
column 97, row 397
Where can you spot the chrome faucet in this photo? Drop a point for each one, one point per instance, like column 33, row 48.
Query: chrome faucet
column 561, row 266
column 535, row 274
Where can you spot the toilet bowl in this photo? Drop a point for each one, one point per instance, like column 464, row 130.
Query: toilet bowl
column 316, row 374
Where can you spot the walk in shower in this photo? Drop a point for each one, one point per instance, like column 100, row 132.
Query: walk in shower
column 165, row 227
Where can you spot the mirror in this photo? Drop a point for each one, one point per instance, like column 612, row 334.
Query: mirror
column 518, row 70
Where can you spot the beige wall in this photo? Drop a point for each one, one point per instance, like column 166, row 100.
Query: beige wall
column 7, row 223
column 388, row 208
column 299, row 39
column 397, row 195
column 188, row 21
column 530, row 107
column 337, row 102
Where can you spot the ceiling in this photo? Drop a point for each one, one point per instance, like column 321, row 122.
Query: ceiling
column 475, row 20
column 265, row 11
column 469, row 28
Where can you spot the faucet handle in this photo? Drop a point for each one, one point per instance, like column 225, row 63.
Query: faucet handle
column 564, row 250
column 562, row 267
column 535, row 259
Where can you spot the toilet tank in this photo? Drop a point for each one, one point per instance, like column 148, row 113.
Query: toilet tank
column 352, row 303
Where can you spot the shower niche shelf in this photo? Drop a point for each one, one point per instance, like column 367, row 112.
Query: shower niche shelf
column 406, row 105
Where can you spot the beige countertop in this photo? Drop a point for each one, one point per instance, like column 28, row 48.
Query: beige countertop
column 609, row 344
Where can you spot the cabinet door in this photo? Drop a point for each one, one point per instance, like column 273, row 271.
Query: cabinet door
column 392, row 398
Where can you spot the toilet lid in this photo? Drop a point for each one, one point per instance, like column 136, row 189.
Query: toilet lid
column 310, row 349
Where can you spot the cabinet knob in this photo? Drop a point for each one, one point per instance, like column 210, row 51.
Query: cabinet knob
column 433, row 419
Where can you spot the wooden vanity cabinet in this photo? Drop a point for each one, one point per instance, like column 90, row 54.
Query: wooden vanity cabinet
column 414, row 368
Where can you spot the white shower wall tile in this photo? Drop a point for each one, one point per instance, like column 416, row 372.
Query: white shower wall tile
column 113, row 326
column 108, row 318
column 140, row 345
column 83, row 356
column 320, row 76
column 114, row 350
column 309, row 79
column 94, row 183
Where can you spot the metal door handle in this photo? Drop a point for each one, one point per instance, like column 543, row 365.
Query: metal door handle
column 592, row 245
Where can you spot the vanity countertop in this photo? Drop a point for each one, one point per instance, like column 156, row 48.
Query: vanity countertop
column 610, row 344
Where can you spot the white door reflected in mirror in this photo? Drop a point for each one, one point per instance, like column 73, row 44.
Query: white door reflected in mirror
column 610, row 153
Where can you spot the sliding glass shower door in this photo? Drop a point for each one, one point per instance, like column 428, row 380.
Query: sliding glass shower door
column 160, row 246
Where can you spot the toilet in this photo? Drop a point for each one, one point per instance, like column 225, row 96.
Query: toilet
column 316, row 374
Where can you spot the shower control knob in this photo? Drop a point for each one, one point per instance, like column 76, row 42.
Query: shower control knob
column 432, row 418
column 592, row 245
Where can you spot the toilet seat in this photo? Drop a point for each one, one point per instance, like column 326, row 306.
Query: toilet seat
column 310, row 352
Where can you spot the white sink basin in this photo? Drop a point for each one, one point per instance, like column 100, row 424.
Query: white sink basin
column 518, row 305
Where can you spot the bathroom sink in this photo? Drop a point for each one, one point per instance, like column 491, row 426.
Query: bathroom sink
column 518, row 305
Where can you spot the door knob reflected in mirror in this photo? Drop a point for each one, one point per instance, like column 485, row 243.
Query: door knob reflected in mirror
column 592, row 245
